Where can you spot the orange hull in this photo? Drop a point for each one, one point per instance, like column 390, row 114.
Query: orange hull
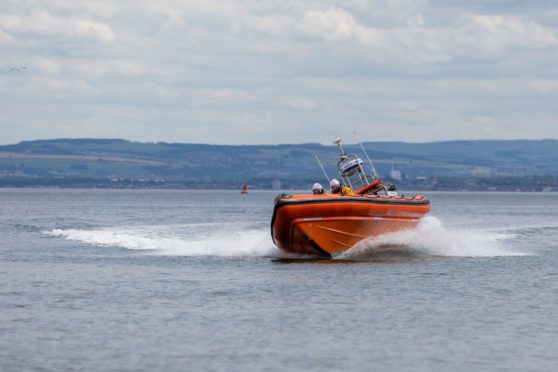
column 331, row 224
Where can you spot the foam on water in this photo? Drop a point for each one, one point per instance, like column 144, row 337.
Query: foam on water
column 430, row 237
column 238, row 243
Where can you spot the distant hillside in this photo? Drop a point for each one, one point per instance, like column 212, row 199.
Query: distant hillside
column 117, row 159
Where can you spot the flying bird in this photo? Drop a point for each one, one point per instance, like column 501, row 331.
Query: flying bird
column 18, row 69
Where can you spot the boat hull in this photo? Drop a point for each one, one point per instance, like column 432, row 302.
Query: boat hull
column 326, row 225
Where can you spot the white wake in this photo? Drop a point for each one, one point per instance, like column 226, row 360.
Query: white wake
column 225, row 243
column 431, row 238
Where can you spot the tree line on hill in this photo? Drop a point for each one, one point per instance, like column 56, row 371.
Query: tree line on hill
column 117, row 163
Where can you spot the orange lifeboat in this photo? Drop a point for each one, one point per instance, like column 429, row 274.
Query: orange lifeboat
column 330, row 224
column 326, row 224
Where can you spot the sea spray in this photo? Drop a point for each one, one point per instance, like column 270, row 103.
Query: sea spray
column 431, row 238
column 223, row 243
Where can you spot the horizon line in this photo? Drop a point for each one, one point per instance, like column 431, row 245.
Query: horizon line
column 264, row 144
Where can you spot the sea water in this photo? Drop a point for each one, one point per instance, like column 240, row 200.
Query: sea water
column 190, row 280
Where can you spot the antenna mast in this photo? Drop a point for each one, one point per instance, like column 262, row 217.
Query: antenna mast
column 374, row 173
column 323, row 170
column 369, row 161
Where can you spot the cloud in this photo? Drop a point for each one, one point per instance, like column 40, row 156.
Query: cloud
column 47, row 66
column 496, row 32
column 222, row 93
column 303, row 104
column 278, row 71
column 41, row 24
column 336, row 24
column 95, row 30
column 103, row 67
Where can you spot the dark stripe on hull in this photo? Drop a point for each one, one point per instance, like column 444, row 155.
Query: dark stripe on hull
column 281, row 203
column 319, row 249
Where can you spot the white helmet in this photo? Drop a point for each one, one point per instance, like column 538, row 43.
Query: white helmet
column 334, row 184
column 317, row 186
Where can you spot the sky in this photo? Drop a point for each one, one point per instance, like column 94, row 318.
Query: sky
column 269, row 72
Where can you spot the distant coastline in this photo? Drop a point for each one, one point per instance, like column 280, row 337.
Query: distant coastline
column 491, row 165
column 518, row 184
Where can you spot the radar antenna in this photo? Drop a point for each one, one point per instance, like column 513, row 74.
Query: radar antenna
column 338, row 143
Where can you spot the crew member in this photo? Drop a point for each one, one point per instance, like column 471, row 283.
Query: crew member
column 317, row 189
column 346, row 190
column 336, row 188
column 391, row 190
